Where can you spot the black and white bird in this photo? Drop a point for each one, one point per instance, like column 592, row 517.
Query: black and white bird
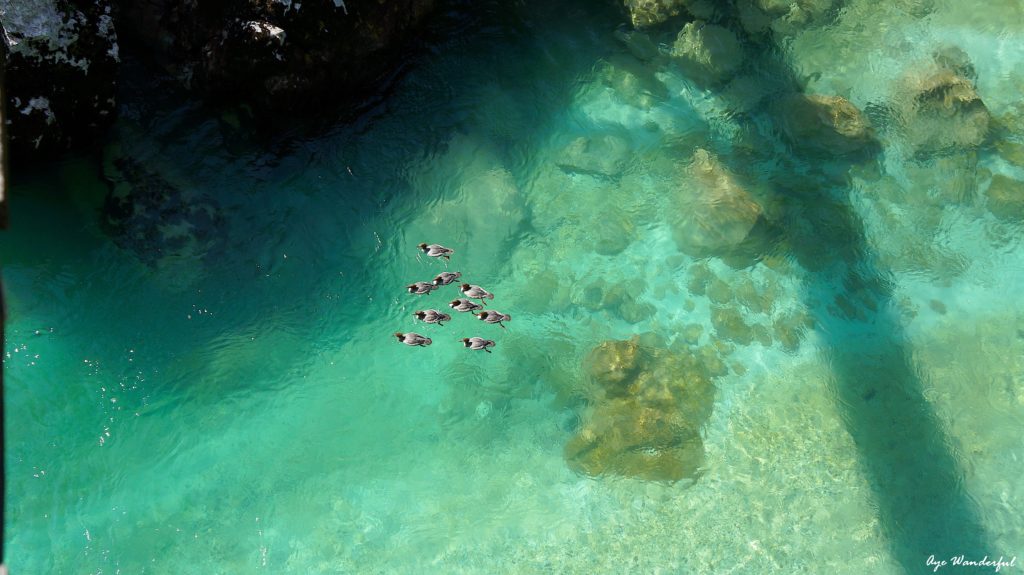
column 475, row 292
column 445, row 278
column 432, row 316
column 478, row 343
column 493, row 316
column 463, row 304
column 437, row 251
column 413, row 339
column 420, row 288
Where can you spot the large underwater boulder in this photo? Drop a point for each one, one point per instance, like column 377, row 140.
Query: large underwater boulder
column 714, row 212
column 275, row 55
column 939, row 108
column 782, row 17
column 62, row 59
column 708, row 53
column 646, row 421
column 828, row 125
column 1006, row 198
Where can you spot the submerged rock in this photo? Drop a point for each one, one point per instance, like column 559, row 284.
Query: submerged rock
column 645, row 13
column 716, row 213
column 61, row 84
column 1006, row 198
column 940, row 111
column 782, row 17
column 827, row 125
column 604, row 155
column 708, row 53
column 633, row 82
column 154, row 219
column 651, row 404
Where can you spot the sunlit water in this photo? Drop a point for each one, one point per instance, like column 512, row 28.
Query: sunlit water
column 237, row 403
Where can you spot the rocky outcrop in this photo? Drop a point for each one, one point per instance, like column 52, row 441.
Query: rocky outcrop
column 278, row 58
column 62, row 59
column 275, row 55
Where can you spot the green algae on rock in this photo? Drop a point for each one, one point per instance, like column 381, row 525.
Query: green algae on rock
column 646, row 422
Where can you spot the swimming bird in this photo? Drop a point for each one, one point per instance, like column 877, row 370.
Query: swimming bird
column 432, row 316
column 493, row 316
column 420, row 288
column 413, row 339
column 478, row 343
column 445, row 278
column 476, row 292
column 463, row 304
column 437, row 251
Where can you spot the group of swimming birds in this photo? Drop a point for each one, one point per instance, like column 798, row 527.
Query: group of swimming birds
column 463, row 304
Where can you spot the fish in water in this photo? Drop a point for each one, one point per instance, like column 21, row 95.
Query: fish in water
column 478, row 343
column 421, row 288
column 475, row 292
column 432, row 316
column 413, row 339
column 462, row 304
column 492, row 316
column 445, row 278
column 437, row 251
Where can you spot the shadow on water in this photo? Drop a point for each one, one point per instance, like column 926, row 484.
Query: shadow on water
column 914, row 469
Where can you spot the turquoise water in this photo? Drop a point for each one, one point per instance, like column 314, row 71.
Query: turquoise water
column 235, row 402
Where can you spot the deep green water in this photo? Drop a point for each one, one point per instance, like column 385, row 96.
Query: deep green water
column 235, row 403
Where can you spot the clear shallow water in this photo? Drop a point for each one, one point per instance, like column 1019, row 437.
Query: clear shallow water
column 238, row 405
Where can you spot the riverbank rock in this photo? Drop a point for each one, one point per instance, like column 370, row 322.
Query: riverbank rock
column 708, row 53
column 714, row 212
column 278, row 56
column 825, row 125
column 62, row 59
column 649, row 409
